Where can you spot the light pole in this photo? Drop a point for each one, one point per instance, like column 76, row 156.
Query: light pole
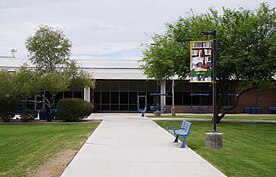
column 214, row 52
column 214, row 140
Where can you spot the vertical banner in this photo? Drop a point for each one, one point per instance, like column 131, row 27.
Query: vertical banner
column 201, row 61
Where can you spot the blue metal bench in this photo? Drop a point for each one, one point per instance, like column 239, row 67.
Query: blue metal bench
column 143, row 111
column 183, row 131
column 172, row 127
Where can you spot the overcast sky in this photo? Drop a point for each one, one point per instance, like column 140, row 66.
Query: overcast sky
column 105, row 29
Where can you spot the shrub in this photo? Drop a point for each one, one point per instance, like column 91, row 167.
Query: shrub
column 8, row 107
column 28, row 114
column 87, row 108
column 73, row 109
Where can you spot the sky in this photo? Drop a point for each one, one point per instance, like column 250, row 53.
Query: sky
column 100, row 29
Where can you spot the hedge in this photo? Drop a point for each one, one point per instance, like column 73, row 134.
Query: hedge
column 73, row 109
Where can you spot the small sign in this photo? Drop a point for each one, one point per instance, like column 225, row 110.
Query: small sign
column 201, row 61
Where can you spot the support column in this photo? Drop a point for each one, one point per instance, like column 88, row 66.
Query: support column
column 163, row 92
column 86, row 94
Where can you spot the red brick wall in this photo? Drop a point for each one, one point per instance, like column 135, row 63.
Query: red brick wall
column 186, row 109
column 253, row 98
column 257, row 98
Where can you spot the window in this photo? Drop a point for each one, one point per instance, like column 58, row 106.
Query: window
column 105, row 97
column 124, row 97
column 105, row 86
column 186, row 98
column 115, row 86
column 124, row 86
column 97, row 97
column 132, row 97
column 178, row 98
column 115, row 97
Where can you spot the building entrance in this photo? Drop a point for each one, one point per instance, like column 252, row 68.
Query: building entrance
column 142, row 102
column 122, row 95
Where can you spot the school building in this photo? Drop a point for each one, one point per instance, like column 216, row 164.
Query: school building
column 121, row 86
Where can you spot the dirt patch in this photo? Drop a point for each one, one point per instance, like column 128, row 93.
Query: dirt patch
column 55, row 166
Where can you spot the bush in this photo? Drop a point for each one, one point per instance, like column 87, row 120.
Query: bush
column 87, row 108
column 28, row 114
column 8, row 107
column 73, row 109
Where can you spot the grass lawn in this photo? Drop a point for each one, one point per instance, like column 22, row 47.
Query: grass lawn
column 249, row 148
column 25, row 147
column 247, row 117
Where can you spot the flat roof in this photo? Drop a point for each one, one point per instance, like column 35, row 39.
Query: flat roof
column 98, row 69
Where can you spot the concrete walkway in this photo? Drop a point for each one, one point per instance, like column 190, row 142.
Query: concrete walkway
column 126, row 145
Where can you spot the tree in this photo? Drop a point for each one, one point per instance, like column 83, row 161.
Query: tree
column 50, row 51
column 79, row 78
column 15, row 86
column 8, row 101
column 246, row 49
column 25, row 83
column 160, row 61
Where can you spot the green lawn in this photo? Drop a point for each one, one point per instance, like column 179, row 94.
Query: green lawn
column 249, row 148
column 24, row 147
column 247, row 117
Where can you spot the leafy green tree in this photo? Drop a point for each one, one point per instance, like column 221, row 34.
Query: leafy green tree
column 79, row 78
column 6, row 87
column 164, row 59
column 25, row 83
column 8, row 101
column 245, row 43
column 15, row 86
column 50, row 51
column 52, row 83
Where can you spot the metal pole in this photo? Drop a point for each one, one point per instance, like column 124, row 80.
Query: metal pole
column 173, row 93
column 214, row 126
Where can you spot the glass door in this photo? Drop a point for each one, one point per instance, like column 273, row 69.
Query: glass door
column 142, row 102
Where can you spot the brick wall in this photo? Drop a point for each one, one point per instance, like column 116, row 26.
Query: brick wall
column 257, row 98
column 253, row 98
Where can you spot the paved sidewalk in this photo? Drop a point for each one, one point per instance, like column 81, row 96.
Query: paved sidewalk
column 126, row 145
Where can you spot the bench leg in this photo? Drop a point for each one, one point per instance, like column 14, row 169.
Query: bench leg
column 184, row 141
column 176, row 139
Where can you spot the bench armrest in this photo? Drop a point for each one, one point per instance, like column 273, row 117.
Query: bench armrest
column 172, row 126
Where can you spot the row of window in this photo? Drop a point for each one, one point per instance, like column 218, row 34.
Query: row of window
column 129, row 100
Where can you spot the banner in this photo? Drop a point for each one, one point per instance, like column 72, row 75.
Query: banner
column 201, row 61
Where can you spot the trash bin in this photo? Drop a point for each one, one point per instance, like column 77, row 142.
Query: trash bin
column 253, row 110
column 42, row 114
column 258, row 110
column 247, row 110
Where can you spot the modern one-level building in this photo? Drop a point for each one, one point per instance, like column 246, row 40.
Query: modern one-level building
column 121, row 86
